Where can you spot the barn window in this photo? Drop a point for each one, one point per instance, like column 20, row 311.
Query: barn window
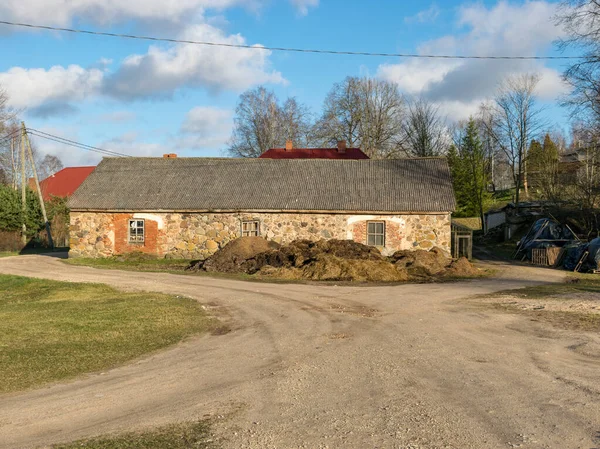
column 136, row 231
column 250, row 228
column 376, row 233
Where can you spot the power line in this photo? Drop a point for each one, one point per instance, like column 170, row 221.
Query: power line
column 73, row 143
column 9, row 136
column 297, row 50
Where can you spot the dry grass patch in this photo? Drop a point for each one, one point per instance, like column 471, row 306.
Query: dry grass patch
column 574, row 304
column 175, row 436
column 57, row 330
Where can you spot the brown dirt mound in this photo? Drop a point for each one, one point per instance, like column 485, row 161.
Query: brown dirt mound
column 332, row 260
column 421, row 263
column 327, row 267
column 461, row 268
column 300, row 253
column 232, row 256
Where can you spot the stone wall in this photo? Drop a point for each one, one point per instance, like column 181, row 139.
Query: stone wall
column 197, row 236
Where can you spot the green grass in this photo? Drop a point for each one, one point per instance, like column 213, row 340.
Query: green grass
column 175, row 436
column 29, row 251
column 133, row 264
column 57, row 330
column 8, row 253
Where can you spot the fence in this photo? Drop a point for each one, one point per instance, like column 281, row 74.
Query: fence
column 548, row 257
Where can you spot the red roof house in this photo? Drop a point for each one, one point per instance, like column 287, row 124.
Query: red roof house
column 64, row 182
column 289, row 152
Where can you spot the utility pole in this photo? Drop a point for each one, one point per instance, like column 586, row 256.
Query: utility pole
column 39, row 190
column 13, row 164
column 23, row 186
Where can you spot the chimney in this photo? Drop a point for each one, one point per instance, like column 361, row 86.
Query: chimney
column 169, row 156
column 341, row 146
column 289, row 145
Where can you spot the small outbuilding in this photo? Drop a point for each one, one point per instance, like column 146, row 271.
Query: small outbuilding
column 190, row 207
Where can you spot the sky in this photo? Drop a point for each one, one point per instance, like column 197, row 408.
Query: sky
column 148, row 98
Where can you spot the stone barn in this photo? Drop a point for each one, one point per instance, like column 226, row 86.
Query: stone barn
column 190, row 207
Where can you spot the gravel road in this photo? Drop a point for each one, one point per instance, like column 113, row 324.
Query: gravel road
column 312, row 366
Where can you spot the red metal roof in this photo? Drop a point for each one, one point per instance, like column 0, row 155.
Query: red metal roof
column 313, row 153
column 65, row 182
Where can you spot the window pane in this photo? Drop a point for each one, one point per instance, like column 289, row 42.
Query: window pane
column 371, row 240
column 370, row 228
column 379, row 228
column 379, row 240
column 250, row 228
column 140, row 224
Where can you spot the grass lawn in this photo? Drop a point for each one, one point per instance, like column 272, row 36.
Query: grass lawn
column 57, row 330
column 133, row 264
column 29, row 251
column 8, row 253
column 176, row 436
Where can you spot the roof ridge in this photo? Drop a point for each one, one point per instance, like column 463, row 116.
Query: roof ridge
column 249, row 159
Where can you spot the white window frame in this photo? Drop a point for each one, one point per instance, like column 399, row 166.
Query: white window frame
column 135, row 237
column 376, row 234
column 249, row 232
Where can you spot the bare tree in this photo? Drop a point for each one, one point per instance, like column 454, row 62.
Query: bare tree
column 295, row 122
column 424, row 132
column 381, row 117
column 255, row 123
column 48, row 165
column 580, row 20
column 261, row 123
column 364, row 112
column 516, row 120
column 8, row 130
column 342, row 114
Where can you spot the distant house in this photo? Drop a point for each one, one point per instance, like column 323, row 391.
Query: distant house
column 191, row 207
column 63, row 183
column 289, row 152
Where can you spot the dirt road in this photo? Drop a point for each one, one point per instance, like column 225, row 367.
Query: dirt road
column 309, row 366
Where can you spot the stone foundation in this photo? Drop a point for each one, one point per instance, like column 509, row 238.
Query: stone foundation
column 198, row 235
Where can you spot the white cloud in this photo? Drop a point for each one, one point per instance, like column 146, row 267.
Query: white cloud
column 61, row 12
column 206, row 128
column 162, row 71
column 504, row 29
column 205, row 119
column 416, row 75
column 69, row 156
column 59, row 86
column 302, row 6
column 129, row 144
column 426, row 16
column 158, row 73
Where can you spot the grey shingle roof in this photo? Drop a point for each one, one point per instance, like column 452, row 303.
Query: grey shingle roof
column 225, row 184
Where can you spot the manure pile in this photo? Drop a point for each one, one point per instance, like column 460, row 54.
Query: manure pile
column 331, row 260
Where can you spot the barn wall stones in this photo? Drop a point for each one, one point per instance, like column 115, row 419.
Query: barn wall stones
column 198, row 235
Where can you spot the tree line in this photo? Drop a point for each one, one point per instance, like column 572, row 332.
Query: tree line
column 12, row 215
column 507, row 143
column 365, row 112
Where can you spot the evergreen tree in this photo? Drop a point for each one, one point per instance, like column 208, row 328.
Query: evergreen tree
column 468, row 165
column 11, row 212
column 542, row 162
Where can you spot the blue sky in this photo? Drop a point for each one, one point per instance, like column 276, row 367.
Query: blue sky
column 145, row 98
